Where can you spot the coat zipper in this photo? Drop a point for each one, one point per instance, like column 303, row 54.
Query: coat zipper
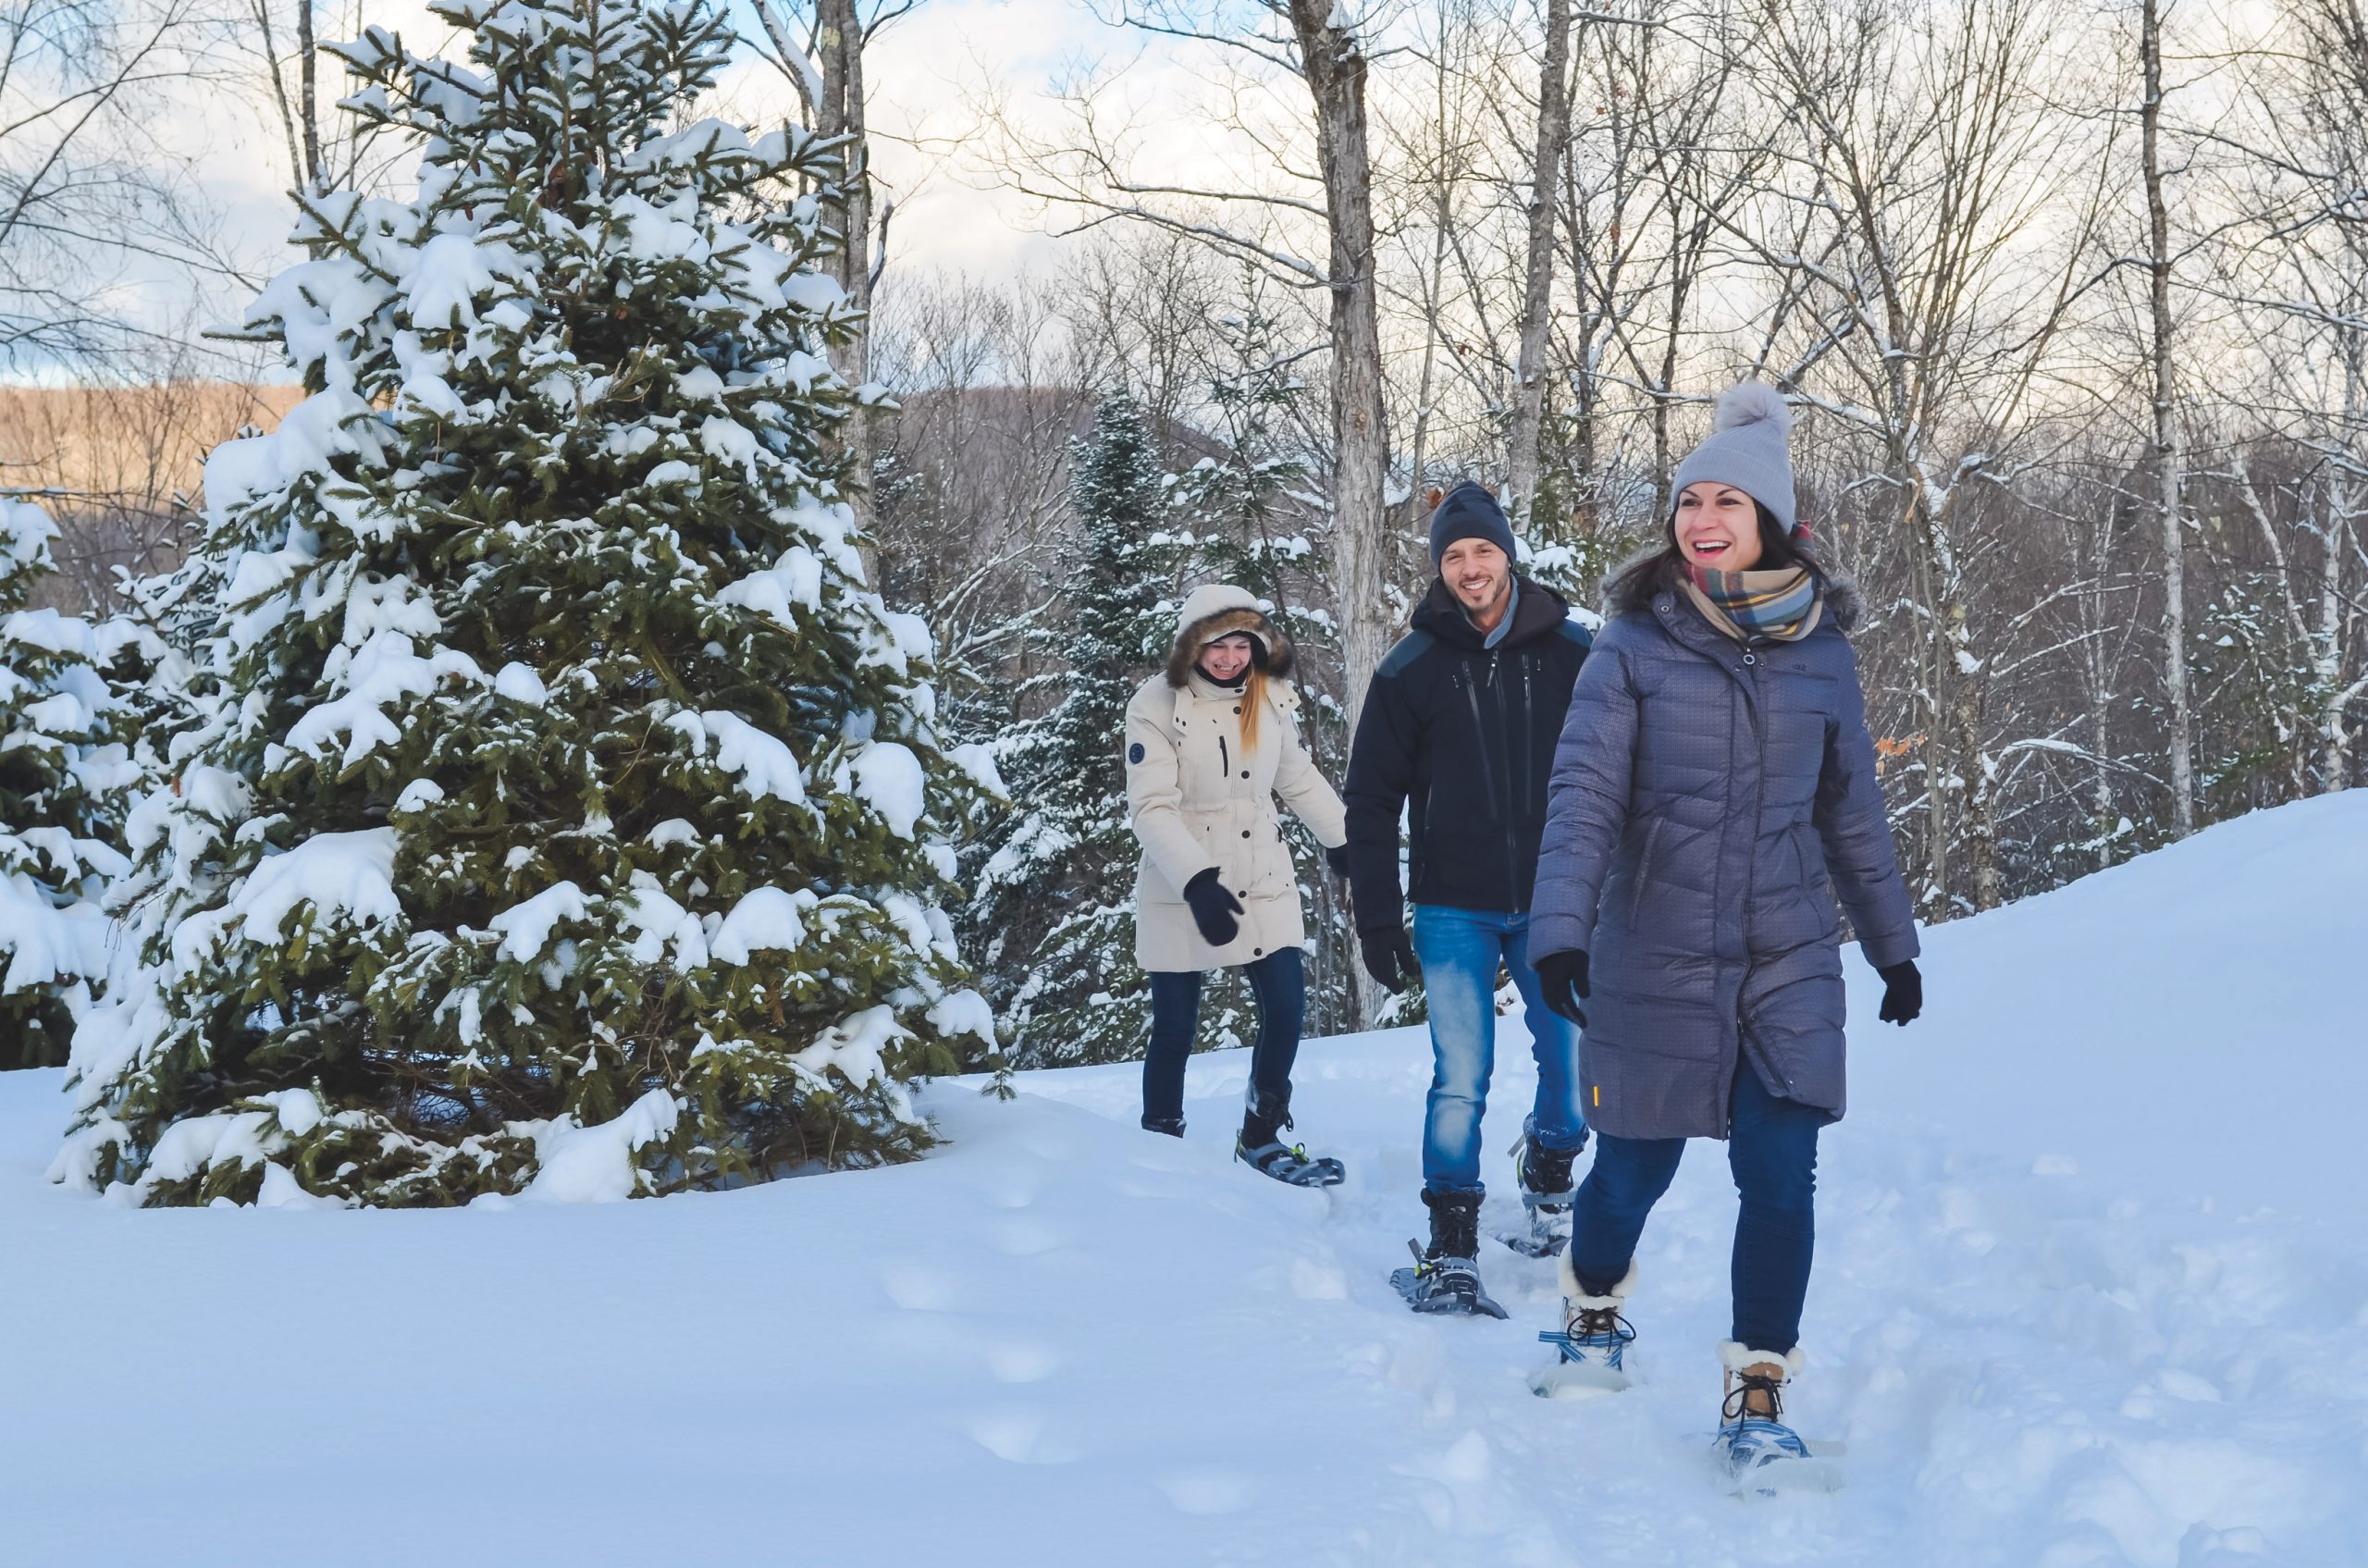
column 1528, row 743
column 1480, row 734
column 1225, row 759
column 1513, row 791
column 1750, row 684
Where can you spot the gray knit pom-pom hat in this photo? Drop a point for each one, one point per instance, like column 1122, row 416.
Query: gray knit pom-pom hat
column 1747, row 447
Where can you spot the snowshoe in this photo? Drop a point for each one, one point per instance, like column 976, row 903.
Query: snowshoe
column 1261, row 1147
column 1757, row 1452
column 1443, row 1285
column 1760, row 1458
column 1548, row 1188
column 1445, row 1278
column 1591, row 1348
column 1290, row 1163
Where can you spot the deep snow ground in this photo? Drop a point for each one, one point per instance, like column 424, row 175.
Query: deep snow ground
column 2093, row 1290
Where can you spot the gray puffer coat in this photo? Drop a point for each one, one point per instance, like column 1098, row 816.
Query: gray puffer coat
column 1709, row 803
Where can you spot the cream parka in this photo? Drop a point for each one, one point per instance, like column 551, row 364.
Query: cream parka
column 1198, row 800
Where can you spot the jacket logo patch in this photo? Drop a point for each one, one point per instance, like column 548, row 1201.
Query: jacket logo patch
column 1135, row 752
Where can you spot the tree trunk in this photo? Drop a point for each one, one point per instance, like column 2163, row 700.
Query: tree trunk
column 1538, row 286
column 2166, row 442
column 308, row 98
column 1333, row 66
column 2335, row 758
column 2095, row 660
column 1414, row 481
column 838, row 38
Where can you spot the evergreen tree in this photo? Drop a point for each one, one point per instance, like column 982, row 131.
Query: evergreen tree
column 573, row 817
column 1055, row 902
column 1261, row 521
column 61, row 771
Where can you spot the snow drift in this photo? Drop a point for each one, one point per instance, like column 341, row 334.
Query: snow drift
column 2091, row 1283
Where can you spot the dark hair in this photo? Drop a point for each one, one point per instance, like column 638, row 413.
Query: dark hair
column 1646, row 576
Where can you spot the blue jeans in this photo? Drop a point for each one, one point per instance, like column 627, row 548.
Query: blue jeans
column 1772, row 1149
column 1459, row 951
column 1279, row 981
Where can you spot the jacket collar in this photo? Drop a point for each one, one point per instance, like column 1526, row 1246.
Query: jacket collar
column 1281, row 696
column 1536, row 612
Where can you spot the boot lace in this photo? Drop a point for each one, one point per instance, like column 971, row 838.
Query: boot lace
column 1739, row 1407
column 1601, row 1326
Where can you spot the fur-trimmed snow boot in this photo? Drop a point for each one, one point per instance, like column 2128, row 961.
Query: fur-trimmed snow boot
column 1592, row 1345
column 1760, row 1454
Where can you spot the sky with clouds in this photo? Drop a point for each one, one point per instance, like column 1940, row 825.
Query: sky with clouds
column 926, row 71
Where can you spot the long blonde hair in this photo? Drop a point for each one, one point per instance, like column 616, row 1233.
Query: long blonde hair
column 1253, row 698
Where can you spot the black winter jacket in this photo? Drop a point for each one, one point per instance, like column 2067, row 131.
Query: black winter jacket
column 1460, row 736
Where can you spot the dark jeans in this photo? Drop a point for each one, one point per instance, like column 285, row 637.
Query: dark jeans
column 1772, row 1149
column 1279, row 981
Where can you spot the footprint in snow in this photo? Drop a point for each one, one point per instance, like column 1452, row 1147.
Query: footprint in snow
column 1209, row 1489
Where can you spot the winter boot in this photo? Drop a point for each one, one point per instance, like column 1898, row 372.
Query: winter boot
column 1444, row 1277
column 1261, row 1146
column 1547, row 1188
column 1172, row 1125
column 1760, row 1454
column 1593, row 1343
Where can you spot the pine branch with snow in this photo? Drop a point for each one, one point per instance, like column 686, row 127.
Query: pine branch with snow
column 62, row 770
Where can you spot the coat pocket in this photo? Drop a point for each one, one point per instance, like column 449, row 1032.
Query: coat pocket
column 1808, row 848
column 1644, row 870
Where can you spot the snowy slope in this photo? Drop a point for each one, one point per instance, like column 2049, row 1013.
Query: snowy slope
column 2093, row 1289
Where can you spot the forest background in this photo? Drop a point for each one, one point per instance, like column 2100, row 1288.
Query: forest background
column 2071, row 298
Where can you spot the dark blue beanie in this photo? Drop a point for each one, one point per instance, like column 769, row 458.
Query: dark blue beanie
column 1469, row 512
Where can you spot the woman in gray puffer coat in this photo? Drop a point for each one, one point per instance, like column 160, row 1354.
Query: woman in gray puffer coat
column 1714, row 795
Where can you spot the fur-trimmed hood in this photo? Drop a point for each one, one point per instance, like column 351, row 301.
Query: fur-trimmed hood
column 1629, row 589
column 1220, row 610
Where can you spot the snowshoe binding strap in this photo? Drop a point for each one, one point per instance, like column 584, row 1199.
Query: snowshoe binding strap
column 1542, row 1174
column 1764, row 1457
column 1290, row 1163
column 1447, row 1285
column 1599, row 1332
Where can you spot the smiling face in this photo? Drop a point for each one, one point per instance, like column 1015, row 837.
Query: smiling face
column 1224, row 659
column 1717, row 527
column 1479, row 575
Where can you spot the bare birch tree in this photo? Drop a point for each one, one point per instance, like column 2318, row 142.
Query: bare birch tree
column 1537, row 280
column 1918, row 153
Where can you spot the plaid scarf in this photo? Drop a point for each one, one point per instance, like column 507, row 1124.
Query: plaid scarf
column 1780, row 606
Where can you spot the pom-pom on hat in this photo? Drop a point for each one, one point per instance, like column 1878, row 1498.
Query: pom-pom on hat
column 1748, row 448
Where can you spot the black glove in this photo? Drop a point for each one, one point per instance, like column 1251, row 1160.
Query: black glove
column 1389, row 956
column 1562, row 977
column 1213, row 908
column 1903, row 992
column 1338, row 859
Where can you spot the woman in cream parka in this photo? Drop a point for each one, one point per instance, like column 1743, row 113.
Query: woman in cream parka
column 1211, row 741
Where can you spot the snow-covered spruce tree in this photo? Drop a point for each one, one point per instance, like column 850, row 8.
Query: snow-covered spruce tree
column 60, row 768
column 573, row 822
column 1054, row 909
column 1260, row 521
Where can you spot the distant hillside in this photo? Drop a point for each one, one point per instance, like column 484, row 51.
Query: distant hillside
column 114, row 458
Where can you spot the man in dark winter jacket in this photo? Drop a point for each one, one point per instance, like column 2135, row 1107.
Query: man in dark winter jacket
column 1457, row 734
